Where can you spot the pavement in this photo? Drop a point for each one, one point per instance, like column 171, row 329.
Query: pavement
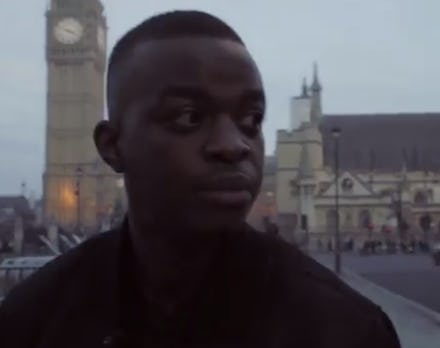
column 417, row 326
column 412, row 276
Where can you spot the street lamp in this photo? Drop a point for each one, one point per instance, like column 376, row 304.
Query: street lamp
column 79, row 173
column 336, row 133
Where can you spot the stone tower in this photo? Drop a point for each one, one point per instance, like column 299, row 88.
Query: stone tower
column 299, row 153
column 300, row 107
column 75, row 181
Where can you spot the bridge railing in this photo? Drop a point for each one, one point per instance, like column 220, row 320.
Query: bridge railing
column 11, row 276
column 15, row 270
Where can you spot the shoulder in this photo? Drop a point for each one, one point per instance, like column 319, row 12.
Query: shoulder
column 295, row 270
column 322, row 285
column 305, row 292
column 32, row 301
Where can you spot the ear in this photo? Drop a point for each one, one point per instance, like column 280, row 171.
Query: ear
column 106, row 136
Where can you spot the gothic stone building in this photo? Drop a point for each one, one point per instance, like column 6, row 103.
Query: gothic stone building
column 389, row 167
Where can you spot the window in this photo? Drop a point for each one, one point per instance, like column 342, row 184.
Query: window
column 365, row 219
column 347, row 185
column 421, row 197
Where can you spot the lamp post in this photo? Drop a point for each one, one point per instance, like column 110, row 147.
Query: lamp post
column 336, row 132
column 79, row 173
column 399, row 210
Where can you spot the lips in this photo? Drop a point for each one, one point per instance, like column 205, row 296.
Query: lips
column 227, row 190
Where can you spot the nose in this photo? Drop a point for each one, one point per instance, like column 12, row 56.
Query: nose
column 226, row 142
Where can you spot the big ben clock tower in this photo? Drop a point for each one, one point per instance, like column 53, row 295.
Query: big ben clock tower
column 75, row 180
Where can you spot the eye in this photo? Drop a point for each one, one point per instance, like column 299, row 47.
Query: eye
column 251, row 121
column 187, row 117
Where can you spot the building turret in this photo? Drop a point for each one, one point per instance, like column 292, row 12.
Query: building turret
column 315, row 107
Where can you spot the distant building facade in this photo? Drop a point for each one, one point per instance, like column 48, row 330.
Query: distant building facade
column 264, row 209
column 389, row 173
column 17, row 225
column 80, row 191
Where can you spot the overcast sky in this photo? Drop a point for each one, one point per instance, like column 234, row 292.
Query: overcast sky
column 374, row 56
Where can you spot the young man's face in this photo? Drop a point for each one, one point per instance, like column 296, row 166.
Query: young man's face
column 191, row 139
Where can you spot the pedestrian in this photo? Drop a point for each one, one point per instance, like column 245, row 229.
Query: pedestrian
column 186, row 105
column 319, row 244
column 329, row 246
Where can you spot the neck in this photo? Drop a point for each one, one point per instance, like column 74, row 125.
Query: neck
column 170, row 262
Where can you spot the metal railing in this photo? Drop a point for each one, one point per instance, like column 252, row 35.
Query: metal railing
column 9, row 277
column 15, row 270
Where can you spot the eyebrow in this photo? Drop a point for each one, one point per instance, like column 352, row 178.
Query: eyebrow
column 193, row 92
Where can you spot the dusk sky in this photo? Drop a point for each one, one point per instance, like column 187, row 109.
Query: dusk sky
column 373, row 56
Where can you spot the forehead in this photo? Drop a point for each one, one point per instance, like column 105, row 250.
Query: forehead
column 220, row 67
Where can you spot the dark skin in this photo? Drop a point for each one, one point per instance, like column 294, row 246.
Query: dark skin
column 190, row 146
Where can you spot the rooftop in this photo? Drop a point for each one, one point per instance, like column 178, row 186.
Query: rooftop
column 384, row 142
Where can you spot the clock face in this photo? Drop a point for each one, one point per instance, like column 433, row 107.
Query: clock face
column 68, row 31
column 101, row 38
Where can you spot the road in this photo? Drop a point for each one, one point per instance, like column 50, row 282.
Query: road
column 412, row 276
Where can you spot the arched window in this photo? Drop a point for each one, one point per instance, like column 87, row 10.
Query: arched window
column 348, row 221
column 331, row 220
column 421, row 197
column 365, row 220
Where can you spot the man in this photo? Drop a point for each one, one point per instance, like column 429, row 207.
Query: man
column 186, row 104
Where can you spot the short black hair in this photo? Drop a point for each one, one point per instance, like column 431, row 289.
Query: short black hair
column 168, row 25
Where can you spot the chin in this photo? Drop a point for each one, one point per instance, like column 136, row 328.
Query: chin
column 219, row 223
column 209, row 218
